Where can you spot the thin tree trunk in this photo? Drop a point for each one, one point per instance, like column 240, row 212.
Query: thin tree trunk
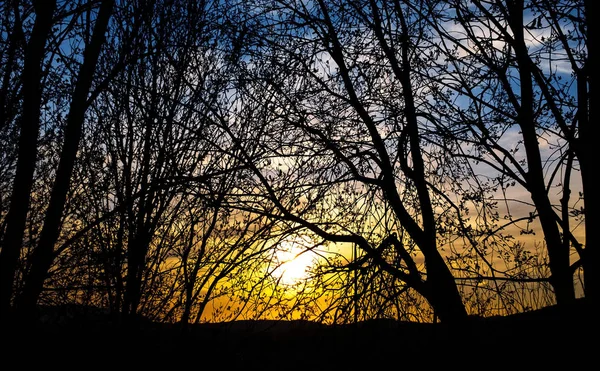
column 138, row 245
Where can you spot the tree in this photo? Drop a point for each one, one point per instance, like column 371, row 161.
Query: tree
column 27, row 148
column 43, row 255
column 344, row 99
column 505, row 69
column 163, row 251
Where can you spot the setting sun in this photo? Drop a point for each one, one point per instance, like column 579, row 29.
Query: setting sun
column 293, row 262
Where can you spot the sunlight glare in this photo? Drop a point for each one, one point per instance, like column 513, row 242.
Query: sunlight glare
column 294, row 263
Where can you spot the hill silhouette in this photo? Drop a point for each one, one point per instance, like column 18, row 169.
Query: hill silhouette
column 89, row 339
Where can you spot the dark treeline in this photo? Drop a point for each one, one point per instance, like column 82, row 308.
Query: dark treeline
column 432, row 156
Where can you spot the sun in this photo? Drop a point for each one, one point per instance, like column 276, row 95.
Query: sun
column 293, row 262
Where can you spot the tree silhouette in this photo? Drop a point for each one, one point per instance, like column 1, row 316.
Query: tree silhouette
column 507, row 68
column 27, row 148
column 159, row 156
column 43, row 255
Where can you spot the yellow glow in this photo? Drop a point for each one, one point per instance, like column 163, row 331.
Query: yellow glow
column 293, row 262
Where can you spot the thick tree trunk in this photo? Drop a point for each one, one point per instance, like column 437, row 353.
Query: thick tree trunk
column 30, row 121
column 442, row 292
column 43, row 255
column 558, row 253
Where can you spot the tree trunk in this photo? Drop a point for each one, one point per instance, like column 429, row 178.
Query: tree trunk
column 442, row 293
column 561, row 277
column 139, row 243
column 27, row 153
column 43, row 255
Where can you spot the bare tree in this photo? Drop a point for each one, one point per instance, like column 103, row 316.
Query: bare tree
column 29, row 124
column 345, row 135
column 43, row 255
column 503, row 65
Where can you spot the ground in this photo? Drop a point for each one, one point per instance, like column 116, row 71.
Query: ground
column 549, row 337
